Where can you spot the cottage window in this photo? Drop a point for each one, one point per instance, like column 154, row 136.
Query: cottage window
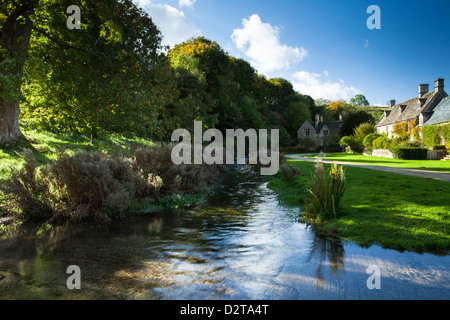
column 326, row 133
column 307, row 132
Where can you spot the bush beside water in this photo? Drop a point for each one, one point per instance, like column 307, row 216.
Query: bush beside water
column 99, row 187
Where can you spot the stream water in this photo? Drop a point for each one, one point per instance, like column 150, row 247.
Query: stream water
column 241, row 245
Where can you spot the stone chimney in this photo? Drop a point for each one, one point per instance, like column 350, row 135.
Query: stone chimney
column 391, row 104
column 439, row 84
column 317, row 120
column 423, row 89
column 321, row 118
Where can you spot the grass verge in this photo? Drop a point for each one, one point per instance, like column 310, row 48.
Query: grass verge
column 394, row 211
column 430, row 165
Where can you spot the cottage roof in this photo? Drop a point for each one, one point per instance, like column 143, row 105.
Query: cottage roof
column 333, row 126
column 412, row 108
column 441, row 113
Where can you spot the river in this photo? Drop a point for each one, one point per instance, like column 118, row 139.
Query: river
column 242, row 244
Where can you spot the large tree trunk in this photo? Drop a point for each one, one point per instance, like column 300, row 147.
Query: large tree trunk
column 15, row 38
column 9, row 122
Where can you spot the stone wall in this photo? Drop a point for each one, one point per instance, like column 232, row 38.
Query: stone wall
column 382, row 153
column 437, row 154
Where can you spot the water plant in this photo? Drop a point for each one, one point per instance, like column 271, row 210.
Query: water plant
column 325, row 193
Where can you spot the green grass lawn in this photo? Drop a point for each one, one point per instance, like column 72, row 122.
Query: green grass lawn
column 45, row 147
column 394, row 211
column 431, row 165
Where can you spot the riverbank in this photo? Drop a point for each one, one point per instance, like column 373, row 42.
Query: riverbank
column 56, row 178
column 391, row 210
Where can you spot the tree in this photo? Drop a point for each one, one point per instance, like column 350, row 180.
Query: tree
column 362, row 131
column 353, row 120
column 360, row 101
column 15, row 33
column 105, row 76
column 296, row 112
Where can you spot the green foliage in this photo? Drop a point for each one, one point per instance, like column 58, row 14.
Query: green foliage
column 292, row 150
column 349, row 143
column 409, row 153
column 9, row 80
column 324, row 200
column 100, row 187
column 369, row 139
column 362, row 131
column 296, row 112
column 288, row 172
column 382, row 142
column 353, row 120
column 360, row 100
column 104, row 77
column 346, row 142
column 413, row 220
column 432, row 135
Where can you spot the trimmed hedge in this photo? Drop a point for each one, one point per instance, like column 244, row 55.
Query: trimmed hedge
column 288, row 150
column 409, row 153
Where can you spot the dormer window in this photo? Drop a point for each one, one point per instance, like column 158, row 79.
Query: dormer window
column 307, row 132
column 401, row 109
column 325, row 133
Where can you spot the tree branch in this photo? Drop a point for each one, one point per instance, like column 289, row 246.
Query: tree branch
column 64, row 46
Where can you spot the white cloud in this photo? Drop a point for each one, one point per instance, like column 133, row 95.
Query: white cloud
column 172, row 23
column 314, row 85
column 261, row 43
column 186, row 3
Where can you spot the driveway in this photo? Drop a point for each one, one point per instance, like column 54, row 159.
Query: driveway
column 442, row 176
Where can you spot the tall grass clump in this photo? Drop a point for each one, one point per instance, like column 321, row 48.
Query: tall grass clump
column 325, row 193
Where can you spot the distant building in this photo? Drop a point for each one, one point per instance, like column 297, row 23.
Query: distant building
column 319, row 131
column 420, row 108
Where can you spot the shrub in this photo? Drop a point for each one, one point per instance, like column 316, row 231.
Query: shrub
column 292, row 150
column 97, row 186
column 362, row 131
column 289, row 173
column 324, row 200
column 349, row 142
column 25, row 195
column 409, row 153
column 382, row 142
column 368, row 140
column 346, row 142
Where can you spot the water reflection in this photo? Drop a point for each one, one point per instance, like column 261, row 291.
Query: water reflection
column 331, row 256
column 242, row 244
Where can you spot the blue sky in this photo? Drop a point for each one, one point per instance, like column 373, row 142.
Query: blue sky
column 323, row 47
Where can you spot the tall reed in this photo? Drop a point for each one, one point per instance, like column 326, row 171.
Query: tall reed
column 325, row 193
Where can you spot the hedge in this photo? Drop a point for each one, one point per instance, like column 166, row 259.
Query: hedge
column 409, row 153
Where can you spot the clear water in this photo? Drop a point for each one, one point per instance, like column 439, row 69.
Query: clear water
column 242, row 245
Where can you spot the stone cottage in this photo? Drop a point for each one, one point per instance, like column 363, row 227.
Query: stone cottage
column 420, row 108
column 319, row 131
